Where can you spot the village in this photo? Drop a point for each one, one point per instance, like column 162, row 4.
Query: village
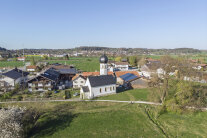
column 44, row 80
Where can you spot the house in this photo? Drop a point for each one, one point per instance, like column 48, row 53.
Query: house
column 13, row 77
column 31, row 68
column 150, row 68
column 102, row 84
column 46, row 81
column 57, row 76
column 21, row 58
column 123, row 66
column 130, row 80
column 78, row 81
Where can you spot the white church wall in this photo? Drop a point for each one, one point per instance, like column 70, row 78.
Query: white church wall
column 95, row 91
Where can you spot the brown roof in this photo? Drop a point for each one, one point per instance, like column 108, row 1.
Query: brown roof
column 86, row 74
column 77, row 75
column 120, row 73
column 31, row 67
column 122, row 63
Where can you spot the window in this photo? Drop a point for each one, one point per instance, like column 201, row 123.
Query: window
column 105, row 89
column 81, row 81
column 110, row 89
column 113, row 87
column 75, row 81
column 100, row 90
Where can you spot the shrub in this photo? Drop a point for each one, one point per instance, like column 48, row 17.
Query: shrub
column 48, row 94
column 19, row 98
column 10, row 122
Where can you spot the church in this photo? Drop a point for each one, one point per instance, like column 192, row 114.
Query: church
column 103, row 84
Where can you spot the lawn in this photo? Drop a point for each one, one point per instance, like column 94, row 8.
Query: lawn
column 11, row 63
column 89, row 64
column 104, row 119
column 129, row 95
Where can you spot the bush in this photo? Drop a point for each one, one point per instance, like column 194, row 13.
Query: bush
column 19, row 98
column 10, row 122
column 67, row 95
column 48, row 94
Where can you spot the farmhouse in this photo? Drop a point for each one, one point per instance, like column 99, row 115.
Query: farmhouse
column 78, row 81
column 44, row 82
column 100, row 85
column 13, row 77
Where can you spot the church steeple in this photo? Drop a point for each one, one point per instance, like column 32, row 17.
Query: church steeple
column 103, row 65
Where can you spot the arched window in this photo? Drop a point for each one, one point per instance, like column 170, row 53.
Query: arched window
column 113, row 87
column 100, row 90
column 110, row 89
column 105, row 89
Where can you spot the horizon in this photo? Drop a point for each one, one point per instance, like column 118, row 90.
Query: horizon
column 109, row 47
column 53, row 24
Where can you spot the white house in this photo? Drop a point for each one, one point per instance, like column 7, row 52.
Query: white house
column 21, row 58
column 78, row 81
column 13, row 77
column 123, row 66
column 96, row 86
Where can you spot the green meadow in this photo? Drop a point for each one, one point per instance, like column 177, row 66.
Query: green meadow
column 104, row 119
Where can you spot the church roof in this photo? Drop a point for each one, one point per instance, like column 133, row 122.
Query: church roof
column 102, row 80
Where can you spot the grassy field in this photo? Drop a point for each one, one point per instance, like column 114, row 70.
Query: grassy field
column 82, row 63
column 11, row 63
column 129, row 95
column 103, row 119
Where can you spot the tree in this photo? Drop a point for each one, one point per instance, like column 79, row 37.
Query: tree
column 118, row 59
column 66, row 57
column 33, row 62
column 10, row 122
column 133, row 60
column 141, row 62
column 45, row 57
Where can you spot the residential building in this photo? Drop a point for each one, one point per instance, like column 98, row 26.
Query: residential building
column 21, row 58
column 31, row 68
column 78, row 81
column 47, row 81
column 122, row 66
column 14, row 77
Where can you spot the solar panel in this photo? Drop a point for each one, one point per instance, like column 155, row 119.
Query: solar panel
column 128, row 77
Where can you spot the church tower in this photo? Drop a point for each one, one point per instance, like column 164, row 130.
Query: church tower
column 103, row 65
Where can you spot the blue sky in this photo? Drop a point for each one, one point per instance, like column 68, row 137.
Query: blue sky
column 111, row 23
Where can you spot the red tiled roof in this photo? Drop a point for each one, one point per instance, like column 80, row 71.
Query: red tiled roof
column 31, row 67
column 86, row 74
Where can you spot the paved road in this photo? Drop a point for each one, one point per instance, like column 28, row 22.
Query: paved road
column 79, row 100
